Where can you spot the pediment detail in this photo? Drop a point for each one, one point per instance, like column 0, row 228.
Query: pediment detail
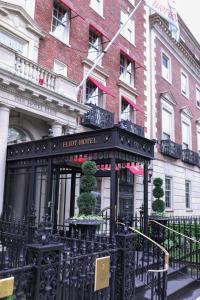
column 168, row 96
column 186, row 111
column 17, row 17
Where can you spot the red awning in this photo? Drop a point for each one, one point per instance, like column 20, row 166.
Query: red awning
column 98, row 29
column 136, row 169
column 130, row 57
column 70, row 5
column 133, row 104
column 101, row 86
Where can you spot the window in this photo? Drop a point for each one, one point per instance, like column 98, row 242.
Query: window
column 184, row 85
column 128, row 31
column 188, row 194
column 60, row 68
column 166, row 124
column 198, row 140
column 166, row 67
column 186, row 135
column 126, row 70
column 127, row 112
column 93, row 94
column 60, row 23
column 95, row 45
column 168, row 192
column 12, row 41
column 97, row 5
column 198, row 97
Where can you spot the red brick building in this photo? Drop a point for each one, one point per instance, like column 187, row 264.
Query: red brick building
column 175, row 107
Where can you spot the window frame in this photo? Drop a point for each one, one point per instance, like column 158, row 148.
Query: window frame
column 125, row 71
column 99, row 95
column 58, row 62
column 197, row 92
column 100, row 9
column 188, row 194
column 170, row 191
column 169, row 77
column 131, row 111
column 130, row 27
column 187, row 121
column 67, row 26
column 169, row 108
column 185, row 94
column 91, row 45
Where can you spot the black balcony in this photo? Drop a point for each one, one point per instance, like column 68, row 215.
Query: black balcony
column 171, row 149
column 134, row 128
column 98, row 118
column 190, row 157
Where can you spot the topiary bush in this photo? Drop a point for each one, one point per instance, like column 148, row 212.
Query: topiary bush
column 158, row 205
column 86, row 201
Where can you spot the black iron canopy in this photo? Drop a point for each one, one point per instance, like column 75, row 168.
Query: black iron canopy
column 99, row 145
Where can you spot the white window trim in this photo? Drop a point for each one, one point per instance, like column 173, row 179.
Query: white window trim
column 120, row 106
column 198, row 140
column 98, row 12
column 188, row 88
column 172, row 189
column 197, row 88
column 189, row 208
column 170, row 66
column 185, row 119
column 58, row 62
column 66, row 42
column 168, row 107
column 133, row 24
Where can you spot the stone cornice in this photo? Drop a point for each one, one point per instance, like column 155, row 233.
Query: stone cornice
column 180, row 48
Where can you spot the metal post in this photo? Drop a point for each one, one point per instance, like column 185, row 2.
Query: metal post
column 113, row 197
column 49, row 187
column 145, row 197
column 72, row 195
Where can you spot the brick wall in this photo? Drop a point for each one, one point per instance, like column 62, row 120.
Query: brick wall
column 73, row 55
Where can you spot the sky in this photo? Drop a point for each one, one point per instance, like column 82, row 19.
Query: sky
column 189, row 11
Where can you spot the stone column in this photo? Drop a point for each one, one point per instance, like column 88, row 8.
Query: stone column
column 4, row 124
column 57, row 129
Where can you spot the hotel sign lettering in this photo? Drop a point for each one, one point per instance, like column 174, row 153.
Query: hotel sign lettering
column 79, row 142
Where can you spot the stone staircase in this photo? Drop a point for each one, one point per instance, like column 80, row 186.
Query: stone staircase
column 180, row 286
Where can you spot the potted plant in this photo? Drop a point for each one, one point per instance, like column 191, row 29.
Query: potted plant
column 158, row 207
column 87, row 221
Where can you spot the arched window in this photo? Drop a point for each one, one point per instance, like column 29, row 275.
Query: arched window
column 16, row 135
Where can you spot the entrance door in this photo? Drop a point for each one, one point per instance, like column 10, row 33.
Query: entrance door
column 126, row 194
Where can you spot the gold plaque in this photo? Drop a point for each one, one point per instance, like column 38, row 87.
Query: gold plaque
column 6, row 287
column 102, row 273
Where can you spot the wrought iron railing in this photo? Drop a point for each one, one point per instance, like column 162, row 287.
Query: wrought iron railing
column 98, row 117
column 132, row 127
column 171, row 149
column 190, row 157
column 184, row 250
column 151, row 266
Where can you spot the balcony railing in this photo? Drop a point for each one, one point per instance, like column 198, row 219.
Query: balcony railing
column 134, row 128
column 190, row 157
column 171, row 149
column 98, row 117
column 32, row 72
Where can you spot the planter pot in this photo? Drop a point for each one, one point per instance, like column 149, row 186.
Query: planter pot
column 85, row 228
column 157, row 231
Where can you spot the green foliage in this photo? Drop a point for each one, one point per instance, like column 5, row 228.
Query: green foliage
column 86, row 203
column 89, row 168
column 88, row 183
column 158, row 205
column 158, row 192
column 158, row 181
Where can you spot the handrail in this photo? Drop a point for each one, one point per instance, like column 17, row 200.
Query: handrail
column 104, row 209
column 158, row 245
column 183, row 235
